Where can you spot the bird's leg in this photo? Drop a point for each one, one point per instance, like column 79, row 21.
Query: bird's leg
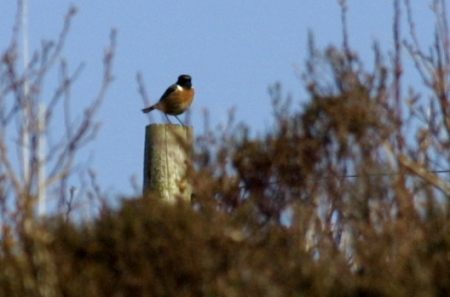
column 167, row 118
column 180, row 121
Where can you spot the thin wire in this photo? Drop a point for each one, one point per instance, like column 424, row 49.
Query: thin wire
column 358, row 175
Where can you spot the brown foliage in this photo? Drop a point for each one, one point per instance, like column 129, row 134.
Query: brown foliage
column 346, row 196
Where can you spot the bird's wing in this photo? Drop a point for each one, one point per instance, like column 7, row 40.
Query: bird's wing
column 169, row 91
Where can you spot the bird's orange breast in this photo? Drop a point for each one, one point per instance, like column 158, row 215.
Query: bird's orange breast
column 178, row 102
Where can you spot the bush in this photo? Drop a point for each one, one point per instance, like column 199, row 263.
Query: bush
column 346, row 196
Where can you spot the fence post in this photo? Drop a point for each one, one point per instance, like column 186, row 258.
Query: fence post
column 167, row 157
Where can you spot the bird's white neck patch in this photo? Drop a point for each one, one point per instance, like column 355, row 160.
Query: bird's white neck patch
column 179, row 88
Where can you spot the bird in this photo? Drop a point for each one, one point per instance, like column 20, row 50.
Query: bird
column 176, row 99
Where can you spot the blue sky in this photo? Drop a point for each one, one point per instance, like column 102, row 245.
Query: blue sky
column 234, row 50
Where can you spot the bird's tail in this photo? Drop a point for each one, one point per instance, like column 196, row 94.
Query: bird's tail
column 148, row 109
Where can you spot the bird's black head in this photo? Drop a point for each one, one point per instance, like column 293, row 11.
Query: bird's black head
column 184, row 81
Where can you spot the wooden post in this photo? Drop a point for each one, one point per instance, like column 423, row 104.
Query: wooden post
column 167, row 155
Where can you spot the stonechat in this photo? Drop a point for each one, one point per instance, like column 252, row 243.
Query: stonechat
column 176, row 99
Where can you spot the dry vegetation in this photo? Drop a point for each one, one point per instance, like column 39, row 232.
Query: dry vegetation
column 346, row 196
